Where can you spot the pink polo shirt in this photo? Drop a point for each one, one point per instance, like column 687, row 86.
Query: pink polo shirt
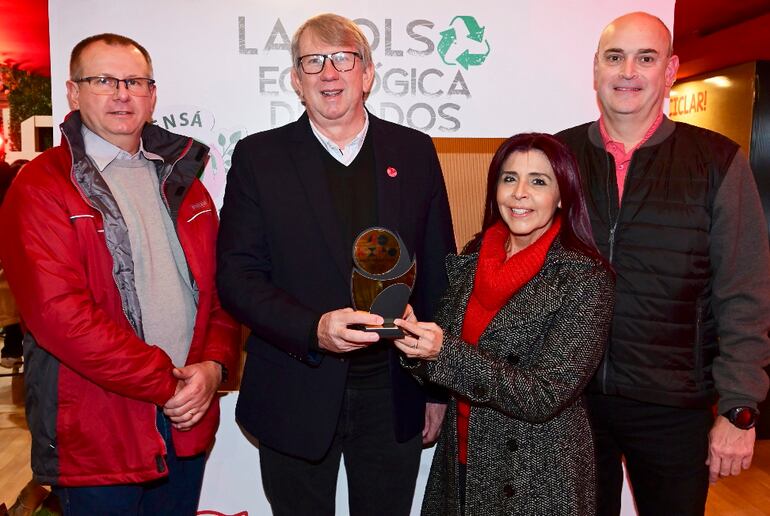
column 619, row 153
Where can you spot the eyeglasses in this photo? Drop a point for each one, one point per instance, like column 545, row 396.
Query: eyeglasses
column 136, row 86
column 342, row 61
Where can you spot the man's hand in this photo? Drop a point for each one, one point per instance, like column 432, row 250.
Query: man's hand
column 434, row 417
column 197, row 385
column 730, row 449
column 334, row 334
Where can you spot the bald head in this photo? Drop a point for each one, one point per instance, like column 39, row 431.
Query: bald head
column 634, row 70
column 640, row 22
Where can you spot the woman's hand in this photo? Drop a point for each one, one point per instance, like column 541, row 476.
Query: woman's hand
column 409, row 314
column 423, row 340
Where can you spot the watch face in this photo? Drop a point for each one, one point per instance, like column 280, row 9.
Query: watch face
column 743, row 417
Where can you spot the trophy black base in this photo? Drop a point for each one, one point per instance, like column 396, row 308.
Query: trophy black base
column 386, row 331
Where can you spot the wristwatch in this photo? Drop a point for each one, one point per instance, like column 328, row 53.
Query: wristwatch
column 224, row 370
column 742, row 417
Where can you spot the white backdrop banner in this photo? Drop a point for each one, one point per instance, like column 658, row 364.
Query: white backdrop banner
column 450, row 68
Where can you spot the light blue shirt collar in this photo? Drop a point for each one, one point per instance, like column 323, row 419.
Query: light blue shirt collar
column 102, row 152
column 348, row 153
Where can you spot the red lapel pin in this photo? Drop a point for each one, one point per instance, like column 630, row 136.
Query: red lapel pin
column 392, row 172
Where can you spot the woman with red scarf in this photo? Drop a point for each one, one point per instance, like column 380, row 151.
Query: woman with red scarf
column 520, row 331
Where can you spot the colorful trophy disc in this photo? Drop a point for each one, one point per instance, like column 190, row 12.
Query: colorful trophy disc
column 382, row 278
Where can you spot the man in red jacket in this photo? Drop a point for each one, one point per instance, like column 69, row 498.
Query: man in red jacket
column 110, row 252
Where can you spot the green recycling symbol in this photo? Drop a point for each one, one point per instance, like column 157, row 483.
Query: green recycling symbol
column 471, row 49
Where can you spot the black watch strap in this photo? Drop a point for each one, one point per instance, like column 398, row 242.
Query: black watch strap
column 742, row 417
column 224, row 370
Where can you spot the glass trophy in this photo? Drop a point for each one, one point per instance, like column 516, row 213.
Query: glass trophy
column 382, row 278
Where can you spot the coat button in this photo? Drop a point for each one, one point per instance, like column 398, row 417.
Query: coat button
column 512, row 445
column 513, row 359
column 479, row 391
column 508, row 490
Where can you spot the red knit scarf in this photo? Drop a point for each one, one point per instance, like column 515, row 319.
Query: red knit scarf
column 497, row 280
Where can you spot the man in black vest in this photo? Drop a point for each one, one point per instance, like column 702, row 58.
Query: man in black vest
column 313, row 388
column 675, row 209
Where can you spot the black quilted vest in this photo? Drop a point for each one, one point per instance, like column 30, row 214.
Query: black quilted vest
column 663, row 338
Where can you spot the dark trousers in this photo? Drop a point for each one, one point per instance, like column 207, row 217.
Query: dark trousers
column 381, row 472
column 176, row 494
column 665, row 449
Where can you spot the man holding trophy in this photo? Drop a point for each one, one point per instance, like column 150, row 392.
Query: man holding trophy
column 316, row 386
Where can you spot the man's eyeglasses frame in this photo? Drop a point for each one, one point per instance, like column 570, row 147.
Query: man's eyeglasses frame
column 136, row 86
column 330, row 57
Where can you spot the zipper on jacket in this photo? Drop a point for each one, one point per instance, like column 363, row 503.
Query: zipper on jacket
column 613, row 226
column 611, row 241
column 614, row 223
column 101, row 213
column 170, row 170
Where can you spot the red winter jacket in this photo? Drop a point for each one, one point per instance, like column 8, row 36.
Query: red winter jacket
column 93, row 385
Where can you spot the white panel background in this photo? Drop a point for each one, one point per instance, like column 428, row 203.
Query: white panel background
column 537, row 76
